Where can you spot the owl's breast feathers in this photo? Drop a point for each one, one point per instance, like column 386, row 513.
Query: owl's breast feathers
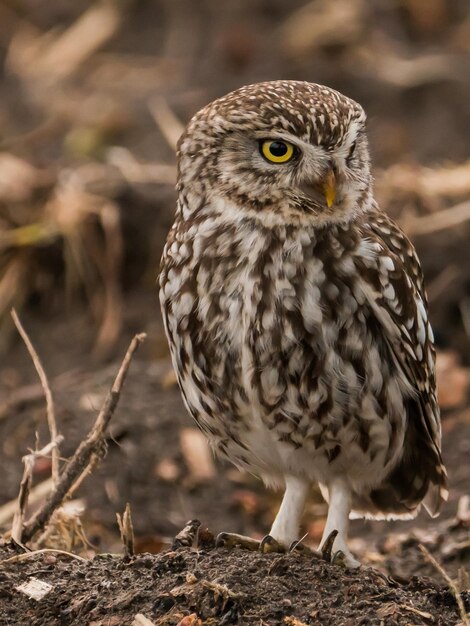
column 318, row 340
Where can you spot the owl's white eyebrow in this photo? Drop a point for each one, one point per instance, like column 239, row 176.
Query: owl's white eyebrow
column 303, row 146
column 267, row 134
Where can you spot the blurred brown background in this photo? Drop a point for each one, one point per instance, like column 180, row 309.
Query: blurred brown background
column 93, row 96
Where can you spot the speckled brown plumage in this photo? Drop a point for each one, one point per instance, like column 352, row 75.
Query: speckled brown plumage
column 299, row 330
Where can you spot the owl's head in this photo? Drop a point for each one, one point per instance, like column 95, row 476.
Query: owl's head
column 284, row 151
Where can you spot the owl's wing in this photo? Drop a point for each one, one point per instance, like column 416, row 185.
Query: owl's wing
column 392, row 284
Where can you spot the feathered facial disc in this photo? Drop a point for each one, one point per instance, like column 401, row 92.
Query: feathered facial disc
column 284, row 146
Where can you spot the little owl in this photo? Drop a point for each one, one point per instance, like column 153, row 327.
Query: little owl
column 295, row 311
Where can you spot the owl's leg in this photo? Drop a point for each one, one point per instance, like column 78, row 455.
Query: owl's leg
column 339, row 500
column 286, row 525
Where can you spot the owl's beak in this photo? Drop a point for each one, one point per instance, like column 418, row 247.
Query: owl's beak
column 329, row 187
column 322, row 189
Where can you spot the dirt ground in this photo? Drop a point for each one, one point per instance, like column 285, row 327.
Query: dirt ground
column 191, row 587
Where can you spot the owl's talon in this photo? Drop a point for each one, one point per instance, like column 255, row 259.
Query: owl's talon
column 327, row 547
column 269, row 544
column 345, row 559
column 233, row 540
column 338, row 558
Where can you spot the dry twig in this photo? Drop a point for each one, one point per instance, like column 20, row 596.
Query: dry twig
column 47, row 392
column 55, row 56
column 88, row 447
column 27, row 555
column 25, row 486
column 136, row 172
column 169, row 125
column 463, row 510
column 110, row 268
column 94, row 460
column 36, row 494
column 127, row 531
column 197, row 454
column 411, row 609
column 441, row 220
column 458, row 598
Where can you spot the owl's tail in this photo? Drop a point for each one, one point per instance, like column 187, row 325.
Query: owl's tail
column 418, row 478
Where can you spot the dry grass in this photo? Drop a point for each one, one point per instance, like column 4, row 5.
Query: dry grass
column 452, row 586
column 79, row 225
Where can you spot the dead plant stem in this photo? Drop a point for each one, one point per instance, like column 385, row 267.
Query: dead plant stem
column 458, row 598
column 88, row 447
column 51, row 421
column 25, row 487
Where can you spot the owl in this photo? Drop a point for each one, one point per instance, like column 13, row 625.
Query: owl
column 295, row 310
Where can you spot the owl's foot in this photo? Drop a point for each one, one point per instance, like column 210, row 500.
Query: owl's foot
column 233, row 540
column 268, row 545
column 341, row 557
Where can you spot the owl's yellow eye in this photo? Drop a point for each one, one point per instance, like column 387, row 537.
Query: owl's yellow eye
column 277, row 151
